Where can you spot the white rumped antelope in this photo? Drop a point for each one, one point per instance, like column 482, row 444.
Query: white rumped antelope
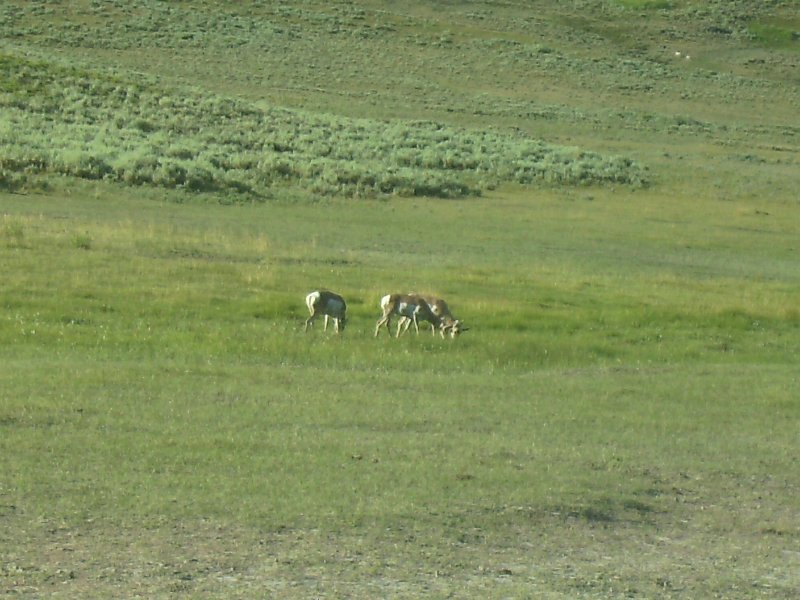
column 410, row 306
column 323, row 302
column 448, row 324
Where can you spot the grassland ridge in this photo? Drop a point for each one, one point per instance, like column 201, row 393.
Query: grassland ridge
column 129, row 129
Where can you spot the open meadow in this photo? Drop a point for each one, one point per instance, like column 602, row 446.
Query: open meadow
column 617, row 224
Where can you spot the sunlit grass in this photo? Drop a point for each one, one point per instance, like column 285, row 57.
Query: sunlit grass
column 101, row 127
column 181, row 278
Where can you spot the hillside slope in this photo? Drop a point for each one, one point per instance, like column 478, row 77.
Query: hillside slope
column 605, row 77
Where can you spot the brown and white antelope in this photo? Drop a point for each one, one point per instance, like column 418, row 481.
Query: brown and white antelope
column 409, row 306
column 323, row 302
column 448, row 324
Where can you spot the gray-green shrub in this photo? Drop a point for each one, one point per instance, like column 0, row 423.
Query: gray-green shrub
column 99, row 126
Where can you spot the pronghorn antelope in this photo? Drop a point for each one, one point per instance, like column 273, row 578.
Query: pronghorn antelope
column 329, row 304
column 449, row 324
column 409, row 306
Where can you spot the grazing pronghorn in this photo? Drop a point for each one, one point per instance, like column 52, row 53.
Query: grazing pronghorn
column 329, row 304
column 410, row 306
column 449, row 324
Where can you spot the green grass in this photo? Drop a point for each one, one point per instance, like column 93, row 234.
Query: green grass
column 619, row 421
column 106, row 127
column 646, row 4
column 158, row 378
column 783, row 34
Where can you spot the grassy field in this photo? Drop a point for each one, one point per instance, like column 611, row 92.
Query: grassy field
column 615, row 223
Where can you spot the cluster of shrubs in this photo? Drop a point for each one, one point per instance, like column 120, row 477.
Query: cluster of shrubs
column 10, row 181
column 100, row 126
